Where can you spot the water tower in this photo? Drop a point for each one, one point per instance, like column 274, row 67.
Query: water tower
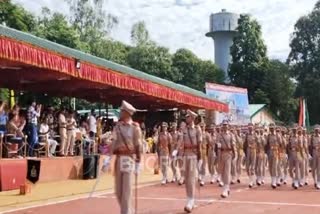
column 222, row 30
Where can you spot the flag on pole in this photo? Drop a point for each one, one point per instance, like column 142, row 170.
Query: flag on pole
column 303, row 113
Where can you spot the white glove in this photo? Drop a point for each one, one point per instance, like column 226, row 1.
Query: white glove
column 174, row 153
column 310, row 157
column 137, row 168
column 287, row 157
column 106, row 163
column 199, row 164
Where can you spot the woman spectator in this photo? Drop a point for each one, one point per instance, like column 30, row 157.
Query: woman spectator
column 45, row 132
column 71, row 134
column 3, row 118
column 15, row 126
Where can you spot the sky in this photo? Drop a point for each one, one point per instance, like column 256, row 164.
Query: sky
column 183, row 23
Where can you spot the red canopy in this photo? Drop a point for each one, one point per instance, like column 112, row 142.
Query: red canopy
column 33, row 64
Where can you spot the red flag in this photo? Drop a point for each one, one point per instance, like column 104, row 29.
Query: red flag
column 301, row 112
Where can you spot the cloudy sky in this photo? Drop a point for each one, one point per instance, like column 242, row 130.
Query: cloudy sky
column 183, row 23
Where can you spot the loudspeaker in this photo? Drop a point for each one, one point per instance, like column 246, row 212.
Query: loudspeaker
column 33, row 172
column 90, row 166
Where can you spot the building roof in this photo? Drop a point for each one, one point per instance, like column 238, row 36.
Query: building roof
column 255, row 109
column 182, row 94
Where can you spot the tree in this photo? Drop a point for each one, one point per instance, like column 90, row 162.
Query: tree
column 56, row 28
column 114, row 51
column 194, row 72
column 15, row 16
column 152, row 60
column 248, row 54
column 280, row 90
column 140, row 34
column 91, row 22
column 304, row 59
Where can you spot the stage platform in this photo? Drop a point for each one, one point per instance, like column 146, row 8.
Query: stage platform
column 14, row 171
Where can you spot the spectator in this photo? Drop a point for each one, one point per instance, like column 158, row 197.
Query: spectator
column 14, row 130
column 92, row 125
column 45, row 132
column 32, row 126
column 71, row 134
column 87, row 141
column 3, row 118
column 62, row 131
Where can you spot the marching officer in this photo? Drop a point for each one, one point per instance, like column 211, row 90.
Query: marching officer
column 227, row 151
column 126, row 146
column 174, row 162
column 306, row 156
column 218, row 159
column 204, row 153
column 295, row 147
column 283, row 157
column 235, row 156
column 273, row 144
column 240, row 152
column 163, row 141
column 212, row 154
column 250, row 148
column 315, row 148
column 180, row 150
column 190, row 139
column 260, row 164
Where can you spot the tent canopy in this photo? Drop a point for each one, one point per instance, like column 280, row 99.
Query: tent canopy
column 33, row 64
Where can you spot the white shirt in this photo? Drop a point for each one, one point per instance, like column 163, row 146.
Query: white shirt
column 44, row 128
column 92, row 124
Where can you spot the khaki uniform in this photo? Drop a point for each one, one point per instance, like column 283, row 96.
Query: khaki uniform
column 295, row 148
column 174, row 161
column 190, row 141
column 212, row 156
column 227, row 147
column 240, row 152
column 204, row 153
column 126, row 144
column 283, row 159
column 164, row 142
column 71, row 136
column 273, row 145
column 315, row 146
column 260, row 164
column 234, row 161
column 250, row 146
column 305, row 170
column 63, row 133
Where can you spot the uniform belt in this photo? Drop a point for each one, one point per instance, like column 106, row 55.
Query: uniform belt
column 121, row 152
column 62, row 127
column 226, row 150
column 190, row 147
column 70, row 129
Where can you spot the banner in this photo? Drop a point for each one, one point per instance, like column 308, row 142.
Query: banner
column 236, row 98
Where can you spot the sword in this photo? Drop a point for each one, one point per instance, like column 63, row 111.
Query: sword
column 94, row 186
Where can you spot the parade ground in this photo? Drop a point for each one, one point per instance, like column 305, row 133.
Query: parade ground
column 156, row 199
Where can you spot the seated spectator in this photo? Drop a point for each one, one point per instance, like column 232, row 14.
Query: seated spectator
column 3, row 118
column 71, row 134
column 45, row 132
column 15, row 128
column 87, row 141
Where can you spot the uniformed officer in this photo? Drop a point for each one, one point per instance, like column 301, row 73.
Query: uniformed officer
column 240, row 152
column 235, row 156
column 283, row 157
column 315, row 148
column 227, row 150
column 174, row 162
column 250, row 148
column 190, row 139
column 218, row 159
column 204, row 153
column 126, row 145
column 212, row 154
column 260, row 164
column 295, row 156
column 163, row 141
column 273, row 144
column 180, row 148
column 306, row 156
